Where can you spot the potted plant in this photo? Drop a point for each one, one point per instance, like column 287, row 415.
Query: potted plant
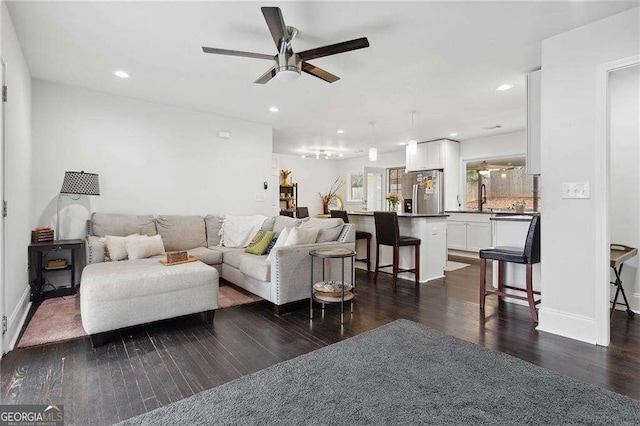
column 519, row 206
column 331, row 195
column 393, row 198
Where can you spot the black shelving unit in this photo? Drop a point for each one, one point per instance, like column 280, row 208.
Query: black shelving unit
column 37, row 269
column 289, row 199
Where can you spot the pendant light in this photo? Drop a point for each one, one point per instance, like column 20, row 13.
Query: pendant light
column 373, row 151
column 412, row 146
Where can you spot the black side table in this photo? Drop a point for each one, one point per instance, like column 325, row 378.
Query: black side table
column 37, row 268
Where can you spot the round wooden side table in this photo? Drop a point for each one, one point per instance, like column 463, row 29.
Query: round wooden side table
column 331, row 291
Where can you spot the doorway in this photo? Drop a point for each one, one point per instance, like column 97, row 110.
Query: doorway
column 603, row 187
column 374, row 185
column 624, row 190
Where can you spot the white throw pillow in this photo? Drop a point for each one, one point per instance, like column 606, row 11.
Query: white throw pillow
column 281, row 241
column 143, row 247
column 117, row 246
column 302, row 236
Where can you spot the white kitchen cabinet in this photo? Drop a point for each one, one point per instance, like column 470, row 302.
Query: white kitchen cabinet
column 428, row 156
column 433, row 155
column 533, row 122
column 478, row 236
column 456, row 235
column 469, row 231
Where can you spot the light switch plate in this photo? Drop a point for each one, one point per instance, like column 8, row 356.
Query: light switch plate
column 260, row 197
column 575, row 190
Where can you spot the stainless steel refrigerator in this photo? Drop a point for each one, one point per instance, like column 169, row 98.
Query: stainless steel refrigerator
column 423, row 192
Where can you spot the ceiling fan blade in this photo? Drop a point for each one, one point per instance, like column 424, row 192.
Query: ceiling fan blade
column 334, row 49
column 319, row 72
column 237, row 53
column 264, row 78
column 276, row 25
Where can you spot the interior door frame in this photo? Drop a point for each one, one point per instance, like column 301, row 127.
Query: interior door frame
column 3, row 179
column 601, row 195
column 365, row 171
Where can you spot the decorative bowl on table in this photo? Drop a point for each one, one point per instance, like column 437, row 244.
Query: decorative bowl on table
column 331, row 288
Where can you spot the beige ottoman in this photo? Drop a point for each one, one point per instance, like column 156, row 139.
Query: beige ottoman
column 115, row 295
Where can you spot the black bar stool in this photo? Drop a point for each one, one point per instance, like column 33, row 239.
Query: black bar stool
column 388, row 234
column 302, row 212
column 360, row 235
column 529, row 256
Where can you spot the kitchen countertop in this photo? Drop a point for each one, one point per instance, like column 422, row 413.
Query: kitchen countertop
column 514, row 218
column 496, row 212
column 409, row 215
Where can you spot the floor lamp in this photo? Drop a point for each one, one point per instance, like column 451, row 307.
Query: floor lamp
column 76, row 183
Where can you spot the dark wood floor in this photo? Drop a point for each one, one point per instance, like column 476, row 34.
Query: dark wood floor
column 148, row 367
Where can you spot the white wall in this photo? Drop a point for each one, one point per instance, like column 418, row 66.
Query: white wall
column 312, row 176
column 151, row 158
column 504, row 145
column 624, row 195
column 385, row 160
column 569, row 149
column 18, row 171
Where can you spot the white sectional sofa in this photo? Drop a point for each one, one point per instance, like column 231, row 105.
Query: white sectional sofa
column 280, row 278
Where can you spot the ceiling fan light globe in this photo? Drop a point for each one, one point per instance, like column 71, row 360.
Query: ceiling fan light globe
column 287, row 74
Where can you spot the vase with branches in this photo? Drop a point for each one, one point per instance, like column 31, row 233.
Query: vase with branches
column 331, row 195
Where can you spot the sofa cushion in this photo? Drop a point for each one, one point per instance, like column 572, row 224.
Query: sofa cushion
column 257, row 267
column 269, row 223
column 207, row 255
column 233, row 256
column 214, row 225
column 143, row 247
column 300, row 235
column 121, row 225
column 330, row 229
column 117, row 247
column 182, row 232
column 286, row 222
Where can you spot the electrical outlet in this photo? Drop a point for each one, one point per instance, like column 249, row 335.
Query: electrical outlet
column 575, row 190
column 260, row 197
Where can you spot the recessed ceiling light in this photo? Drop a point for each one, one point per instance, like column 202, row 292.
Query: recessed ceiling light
column 121, row 74
column 453, row 135
column 303, row 156
column 403, row 143
column 504, row 87
column 341, row 155
column 274, row 109
column 340, row 131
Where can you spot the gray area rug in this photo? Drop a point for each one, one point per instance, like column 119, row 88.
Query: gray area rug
column 401, row 373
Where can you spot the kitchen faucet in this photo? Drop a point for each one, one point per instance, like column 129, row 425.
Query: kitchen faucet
column 482, row 197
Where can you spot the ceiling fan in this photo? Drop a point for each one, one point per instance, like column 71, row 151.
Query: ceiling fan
column 289, row 64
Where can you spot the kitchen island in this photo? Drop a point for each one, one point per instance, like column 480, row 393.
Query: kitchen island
column 430, row 228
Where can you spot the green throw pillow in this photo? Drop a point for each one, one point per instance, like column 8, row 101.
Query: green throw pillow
column 260, row 242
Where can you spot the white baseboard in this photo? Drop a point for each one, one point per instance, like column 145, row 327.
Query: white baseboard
column 569, row 325
column 17, row 319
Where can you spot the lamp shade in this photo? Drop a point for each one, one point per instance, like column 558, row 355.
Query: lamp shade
column 80, row 183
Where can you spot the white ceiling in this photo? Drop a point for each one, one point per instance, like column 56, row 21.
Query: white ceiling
column 442, row 59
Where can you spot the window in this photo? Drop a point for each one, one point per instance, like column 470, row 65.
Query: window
column 395, row 179
column 355, row 187
column 500, row 184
